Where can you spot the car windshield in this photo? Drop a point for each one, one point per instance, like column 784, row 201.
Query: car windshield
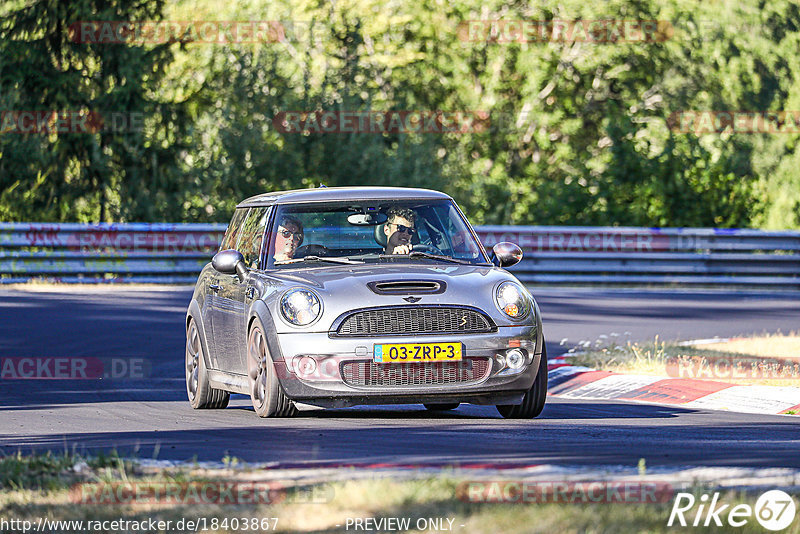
column 371, row 232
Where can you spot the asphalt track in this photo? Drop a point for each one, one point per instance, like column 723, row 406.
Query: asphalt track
column 151, row 418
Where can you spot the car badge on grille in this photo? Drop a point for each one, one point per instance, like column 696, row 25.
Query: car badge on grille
column 412, row 299
column 463, row 320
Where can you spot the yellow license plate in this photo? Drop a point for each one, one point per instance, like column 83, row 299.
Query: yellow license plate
column 417, row 352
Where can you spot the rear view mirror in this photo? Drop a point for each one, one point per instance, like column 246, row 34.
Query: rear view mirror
column 366, row 219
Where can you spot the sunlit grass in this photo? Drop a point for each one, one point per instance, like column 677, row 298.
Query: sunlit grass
column 438, row 498
column 772, row 346
column 39, row 485
column 768, row 353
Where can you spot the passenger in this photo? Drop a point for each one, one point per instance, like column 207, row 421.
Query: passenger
column 288, row 237
column 399, row 229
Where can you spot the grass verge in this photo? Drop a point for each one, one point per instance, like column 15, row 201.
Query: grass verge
column 769, row 346
column 43, row 486
column 772, row 359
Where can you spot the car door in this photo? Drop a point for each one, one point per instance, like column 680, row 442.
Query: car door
column 221, row 300
column 230, row 317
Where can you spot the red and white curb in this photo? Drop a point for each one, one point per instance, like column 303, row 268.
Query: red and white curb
column 576, row 382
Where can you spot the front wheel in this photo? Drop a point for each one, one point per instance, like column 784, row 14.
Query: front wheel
column 266, row 392
column 534, row 399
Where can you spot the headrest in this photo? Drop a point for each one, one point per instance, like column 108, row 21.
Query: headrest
column 380, row 237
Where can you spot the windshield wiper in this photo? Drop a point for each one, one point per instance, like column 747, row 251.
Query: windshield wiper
column 336, row 259
column 418, row 254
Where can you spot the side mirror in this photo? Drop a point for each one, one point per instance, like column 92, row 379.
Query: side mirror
column 229, row 262
column 505, row 254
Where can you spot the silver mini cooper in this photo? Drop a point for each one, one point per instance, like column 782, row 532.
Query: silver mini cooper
column 336, row 297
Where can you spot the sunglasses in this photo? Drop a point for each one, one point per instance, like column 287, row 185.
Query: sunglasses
column 287, row 234
column 404, row 229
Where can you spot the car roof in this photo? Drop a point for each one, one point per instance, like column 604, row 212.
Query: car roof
column 333, row 194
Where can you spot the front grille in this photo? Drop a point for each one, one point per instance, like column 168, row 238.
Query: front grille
column 413, row 320
column 369, row 373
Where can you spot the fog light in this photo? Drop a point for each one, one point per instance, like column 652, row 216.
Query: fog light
column 306, row 365
column 515, row 358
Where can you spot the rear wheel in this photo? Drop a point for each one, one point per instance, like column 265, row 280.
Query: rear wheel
column 442, row 407
column 201, row 394
column 266, row 392
column 534, row 399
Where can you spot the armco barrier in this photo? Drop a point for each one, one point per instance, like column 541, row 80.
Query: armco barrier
column 175, row 253
column 132, row 252
column 652, row 256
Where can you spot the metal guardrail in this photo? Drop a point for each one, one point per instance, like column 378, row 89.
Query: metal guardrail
column 175, row 253
column 653, row 256
column 96, row 253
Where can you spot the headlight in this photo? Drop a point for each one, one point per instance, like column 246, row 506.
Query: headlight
column 513, row 300
column 300, row 306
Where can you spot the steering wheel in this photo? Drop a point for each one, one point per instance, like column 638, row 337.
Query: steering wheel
column 311, row 250
column 429, row 249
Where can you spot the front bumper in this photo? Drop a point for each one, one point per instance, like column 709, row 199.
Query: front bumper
column 324, row 385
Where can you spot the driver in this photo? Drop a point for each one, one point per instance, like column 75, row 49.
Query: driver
column 287, row 238
column 399, row 229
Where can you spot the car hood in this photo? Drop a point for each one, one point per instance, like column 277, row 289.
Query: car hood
column 346, row 287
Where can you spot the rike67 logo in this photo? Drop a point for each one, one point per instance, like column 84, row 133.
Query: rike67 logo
column 774, row 510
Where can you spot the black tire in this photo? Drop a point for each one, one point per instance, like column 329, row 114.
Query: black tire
column 442, row 407
column 266, row 392
column 534, row 400
column 201, row 394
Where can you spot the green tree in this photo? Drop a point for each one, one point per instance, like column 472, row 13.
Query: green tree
column 579, row 131
column 120, row 171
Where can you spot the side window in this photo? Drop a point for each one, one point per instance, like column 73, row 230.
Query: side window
column 229, row 241
column 251, row 236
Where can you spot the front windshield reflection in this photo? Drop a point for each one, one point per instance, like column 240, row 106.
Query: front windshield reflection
column 358, row 232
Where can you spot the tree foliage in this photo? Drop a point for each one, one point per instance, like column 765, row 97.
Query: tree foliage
column 578, row 132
